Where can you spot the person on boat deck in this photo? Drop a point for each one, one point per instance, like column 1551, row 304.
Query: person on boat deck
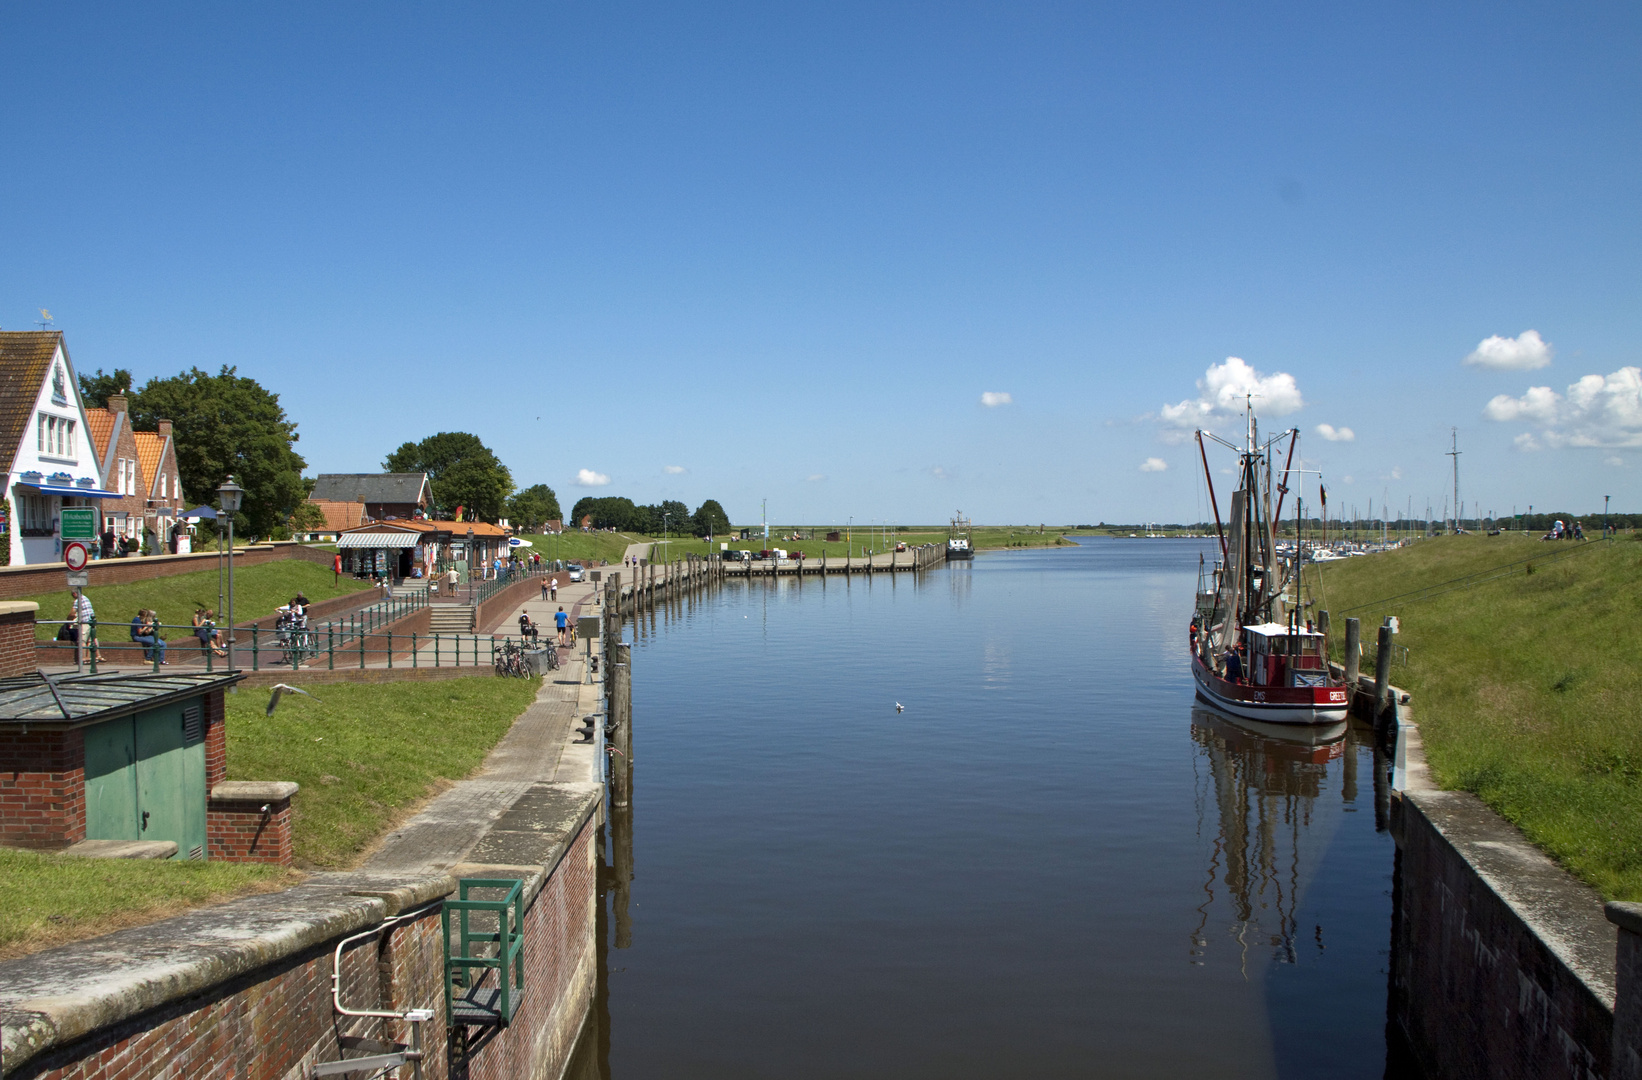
column 1234, row 666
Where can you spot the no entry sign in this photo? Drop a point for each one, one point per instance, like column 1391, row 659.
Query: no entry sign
column 74, row 554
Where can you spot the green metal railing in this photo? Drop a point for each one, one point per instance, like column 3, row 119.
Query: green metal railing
column 468, row 1000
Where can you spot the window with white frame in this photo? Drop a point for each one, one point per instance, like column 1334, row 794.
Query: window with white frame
column 162, row 485
column 56, row 436
column 35, row 511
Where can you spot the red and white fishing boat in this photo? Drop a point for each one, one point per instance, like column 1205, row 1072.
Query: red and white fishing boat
column 1255, row 653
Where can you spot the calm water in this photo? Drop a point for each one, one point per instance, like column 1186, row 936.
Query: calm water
column 1053, row 863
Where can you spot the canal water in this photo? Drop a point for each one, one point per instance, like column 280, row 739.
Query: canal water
column 1052, row 862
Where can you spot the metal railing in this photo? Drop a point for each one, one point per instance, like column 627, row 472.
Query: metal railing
column 330, row 647
column 485, row 589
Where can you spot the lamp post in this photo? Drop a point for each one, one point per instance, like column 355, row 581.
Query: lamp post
column 230, row 494
column 470, row 566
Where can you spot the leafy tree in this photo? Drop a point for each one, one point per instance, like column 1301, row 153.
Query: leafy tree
column 95, row 389
column 462, row 472
column 228, row 425
column 532, row 507
column 608, row 512
column 676, row 521
column 710, row 519
column 307, row 517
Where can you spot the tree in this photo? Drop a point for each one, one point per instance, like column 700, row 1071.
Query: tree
column 532, row 507
column 710, row 519
column 307, row 517
column 95, row 389
column 462, row 472
column 608, row 512
column 672, row 517
column 227, row 425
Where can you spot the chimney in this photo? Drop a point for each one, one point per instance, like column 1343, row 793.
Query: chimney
column 165, row 428
column 116, row 403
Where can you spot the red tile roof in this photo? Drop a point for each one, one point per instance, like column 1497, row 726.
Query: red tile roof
column 25, row 358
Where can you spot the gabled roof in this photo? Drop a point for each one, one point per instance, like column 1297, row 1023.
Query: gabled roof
column 372, row 487
column 150, row 456
column 100, row 428
column 340, row 515
column 25, row 358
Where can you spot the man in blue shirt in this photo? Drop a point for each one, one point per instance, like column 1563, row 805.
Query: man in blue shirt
column 561, row 620
column 146, row 634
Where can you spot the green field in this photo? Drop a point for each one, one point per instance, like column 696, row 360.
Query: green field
column 864, row 538
column 579, row 545
column 49, row 899
column 1525, row 681
column 367, row 753
column 258, row 590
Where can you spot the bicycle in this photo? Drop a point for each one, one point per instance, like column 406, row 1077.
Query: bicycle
column 510, row 661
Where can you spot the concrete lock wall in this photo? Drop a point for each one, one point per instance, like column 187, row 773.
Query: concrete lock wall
column 244, row 989
column 1503, row 965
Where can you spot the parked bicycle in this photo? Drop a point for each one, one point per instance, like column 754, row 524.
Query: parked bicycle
column 510, row 661
column 295, row 639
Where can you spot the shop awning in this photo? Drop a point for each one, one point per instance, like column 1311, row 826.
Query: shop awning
column 77, row 492
column 377, row 540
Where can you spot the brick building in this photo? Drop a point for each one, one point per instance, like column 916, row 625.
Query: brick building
column 163, row 500
column 115, row 445
column 386, row 496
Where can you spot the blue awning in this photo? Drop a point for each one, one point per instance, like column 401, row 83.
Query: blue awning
column 77, row 492
column 199, row 512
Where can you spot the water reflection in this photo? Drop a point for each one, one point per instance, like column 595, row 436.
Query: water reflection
column 1262, row 782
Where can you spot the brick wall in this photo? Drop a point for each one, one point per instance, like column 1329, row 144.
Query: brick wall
column 17, row 638
column 236, row 830
column 42, row 788
column 216, row 740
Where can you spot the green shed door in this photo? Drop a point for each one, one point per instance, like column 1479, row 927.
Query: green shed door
column 111, row 781
column 171, row 778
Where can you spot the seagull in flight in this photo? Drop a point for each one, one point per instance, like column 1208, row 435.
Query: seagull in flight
column 281, row 688
column 899, row 707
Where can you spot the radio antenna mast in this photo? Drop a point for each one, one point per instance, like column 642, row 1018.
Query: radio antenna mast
column 1454, row 434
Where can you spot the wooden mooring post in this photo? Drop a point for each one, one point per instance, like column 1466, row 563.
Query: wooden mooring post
column 1353, row 654
column 621, row 722
column 1384, row 711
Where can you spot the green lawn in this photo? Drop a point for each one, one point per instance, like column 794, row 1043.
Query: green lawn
column 49, row 899
column 258, row 590
column 366, row 753
column 579, row 545
column 1526, row 686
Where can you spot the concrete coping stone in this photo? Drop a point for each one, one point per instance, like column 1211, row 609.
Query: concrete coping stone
column 533, row 877
column 1562, row 912
column 539, row 828
column 1626, row 916
column 123, row 849
column 50, row 998
column 254, row 790
column 18, row 607
column 399, row 893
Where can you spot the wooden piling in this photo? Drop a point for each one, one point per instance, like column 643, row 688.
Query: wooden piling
column 621, row 722
column 1353, row 654
column 1382, row 679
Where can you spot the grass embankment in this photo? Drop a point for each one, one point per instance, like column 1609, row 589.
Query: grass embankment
column 985, row 539
column 365, row 754
column 258, row 590
column 579, row 545
column 1525, row 683
column 46, row 900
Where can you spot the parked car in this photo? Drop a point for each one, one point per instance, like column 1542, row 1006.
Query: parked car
column 575, row 572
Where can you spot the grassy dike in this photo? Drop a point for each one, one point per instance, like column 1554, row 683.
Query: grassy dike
column 1523, row 662
column 986, row 538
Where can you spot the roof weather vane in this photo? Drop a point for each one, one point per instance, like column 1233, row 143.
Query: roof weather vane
column 45, row 321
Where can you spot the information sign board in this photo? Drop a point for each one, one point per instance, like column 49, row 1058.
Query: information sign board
column 80, row 580
column 77, row 523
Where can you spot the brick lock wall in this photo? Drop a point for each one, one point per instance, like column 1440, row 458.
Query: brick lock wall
column 42, row 788
column 238, row 831
column 17, row 643
column 216, row 740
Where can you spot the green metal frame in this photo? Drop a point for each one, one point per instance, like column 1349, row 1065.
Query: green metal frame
column 508, row 961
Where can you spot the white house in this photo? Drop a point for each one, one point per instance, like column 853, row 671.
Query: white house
column 46, row 447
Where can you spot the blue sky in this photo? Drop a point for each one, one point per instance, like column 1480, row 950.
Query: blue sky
column 787, row 248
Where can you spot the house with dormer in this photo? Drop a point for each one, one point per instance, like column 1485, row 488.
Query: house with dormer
column 157, row 456
column 49, row 459
column 116, row 447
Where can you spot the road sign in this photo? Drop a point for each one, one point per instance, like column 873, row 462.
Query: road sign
column 74, row 554
column 77, row 523
column 80, row 580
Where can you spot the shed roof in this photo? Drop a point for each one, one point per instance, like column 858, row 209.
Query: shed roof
column 372, row 487
column 85, row 699
column 25, row 357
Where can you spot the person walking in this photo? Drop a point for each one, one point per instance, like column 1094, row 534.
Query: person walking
column 561, row 621
column 553, row 589
column 85, row 625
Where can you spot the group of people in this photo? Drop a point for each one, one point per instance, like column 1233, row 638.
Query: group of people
column 1559, row 531
column 81, row 629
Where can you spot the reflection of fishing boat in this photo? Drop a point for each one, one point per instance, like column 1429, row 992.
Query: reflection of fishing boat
column 1264, row 782
column 1254, row 653
column 960, row 543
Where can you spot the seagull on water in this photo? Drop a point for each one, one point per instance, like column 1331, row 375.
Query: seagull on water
column 281, row 688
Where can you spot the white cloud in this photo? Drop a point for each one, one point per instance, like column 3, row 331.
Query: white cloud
column 1524, row 352
column 589, row 478
column 1615, row 460
column 1396, row 472
column 1224, row 390
column 1154, row 464
column 1597, row 411
column 674, row 470
column 1336, row 434
column 993, row 398
column 816, row 478
column 939, row 473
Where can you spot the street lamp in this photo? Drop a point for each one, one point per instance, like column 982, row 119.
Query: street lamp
column 229, row 495
column 470, row 565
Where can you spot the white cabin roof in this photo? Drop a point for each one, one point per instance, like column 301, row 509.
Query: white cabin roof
column 1277, row 629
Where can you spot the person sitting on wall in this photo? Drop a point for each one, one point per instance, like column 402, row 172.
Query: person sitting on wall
column 145, row 631
column 205, row 629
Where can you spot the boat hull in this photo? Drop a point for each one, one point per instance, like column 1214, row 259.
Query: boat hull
column 960, row 553
column 1271, row 704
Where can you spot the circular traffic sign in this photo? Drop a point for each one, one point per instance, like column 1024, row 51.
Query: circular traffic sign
column 74, row 554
